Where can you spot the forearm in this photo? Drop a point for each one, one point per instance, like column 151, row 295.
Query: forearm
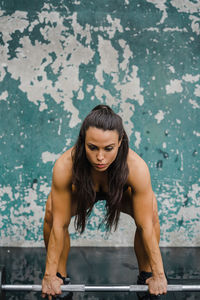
column 55, row 246
column 152, row 250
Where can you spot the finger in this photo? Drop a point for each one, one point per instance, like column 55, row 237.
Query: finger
column 43, row 295
column 153, row 291
column 60, row 280
column 147, row 280
column 163, row 291
column 58, row 291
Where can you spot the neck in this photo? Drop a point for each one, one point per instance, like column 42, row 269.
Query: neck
column 98, row 176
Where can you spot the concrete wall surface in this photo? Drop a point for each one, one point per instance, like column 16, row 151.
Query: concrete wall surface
column 58, row 59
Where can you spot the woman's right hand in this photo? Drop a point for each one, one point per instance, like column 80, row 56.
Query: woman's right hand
column 51, row 286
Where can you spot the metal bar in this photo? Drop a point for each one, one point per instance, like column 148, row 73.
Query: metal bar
column 107, row 288
column 102, row 288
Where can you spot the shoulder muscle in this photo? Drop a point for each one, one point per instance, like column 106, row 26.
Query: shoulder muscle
column 139, row 175
column 62, row 171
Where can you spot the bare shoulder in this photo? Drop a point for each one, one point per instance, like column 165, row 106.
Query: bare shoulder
column 139, row 175
column 62, row 171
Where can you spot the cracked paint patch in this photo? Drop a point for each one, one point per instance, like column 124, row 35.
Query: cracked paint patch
column 58, row 61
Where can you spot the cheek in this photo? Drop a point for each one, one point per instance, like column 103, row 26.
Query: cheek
column 113, row 155
column 89, row 155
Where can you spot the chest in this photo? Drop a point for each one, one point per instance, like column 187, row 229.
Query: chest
column 100, row 183
column 101, row 187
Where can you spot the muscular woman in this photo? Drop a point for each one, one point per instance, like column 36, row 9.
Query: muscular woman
column 102, row 166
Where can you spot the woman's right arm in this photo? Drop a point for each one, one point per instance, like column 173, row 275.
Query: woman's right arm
column 61, row 210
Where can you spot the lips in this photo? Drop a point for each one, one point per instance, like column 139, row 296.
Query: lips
column 100, row 166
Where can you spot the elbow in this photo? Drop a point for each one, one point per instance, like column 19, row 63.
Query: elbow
column 60, row 226
column 146, row 227
column 145, row 232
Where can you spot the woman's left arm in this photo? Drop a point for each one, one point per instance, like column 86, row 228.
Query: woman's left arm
column 143, row 216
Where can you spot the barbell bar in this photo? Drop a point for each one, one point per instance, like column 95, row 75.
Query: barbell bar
column 100, row 288
column 90, row 288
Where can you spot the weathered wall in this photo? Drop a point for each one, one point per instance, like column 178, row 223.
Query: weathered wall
column 58, row 59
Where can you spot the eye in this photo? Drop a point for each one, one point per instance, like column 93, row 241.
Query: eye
column 109, row 148
column 92, row 147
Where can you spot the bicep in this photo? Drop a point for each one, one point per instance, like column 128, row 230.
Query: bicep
column 143, row 198
column 143, row 208
column 61, row 199
column 61, row 205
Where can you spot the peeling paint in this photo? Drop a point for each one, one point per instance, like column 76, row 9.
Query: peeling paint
column 49, row 157
column 3, row 96
column 159, row 116
column 138, row 139
column 174, row 87
column 58, row 61
column 194, row 104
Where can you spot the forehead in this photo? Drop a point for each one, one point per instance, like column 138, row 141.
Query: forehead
column 98, row 136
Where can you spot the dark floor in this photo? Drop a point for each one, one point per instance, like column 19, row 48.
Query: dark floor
column 100, row 266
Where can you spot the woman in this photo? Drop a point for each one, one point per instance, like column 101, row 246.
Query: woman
column 102, row 166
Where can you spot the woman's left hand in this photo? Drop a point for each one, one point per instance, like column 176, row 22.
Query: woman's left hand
column 157, row 285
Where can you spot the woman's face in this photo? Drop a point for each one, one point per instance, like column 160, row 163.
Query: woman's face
column 101, row 147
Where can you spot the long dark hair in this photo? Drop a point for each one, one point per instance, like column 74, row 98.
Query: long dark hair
column 102, row 117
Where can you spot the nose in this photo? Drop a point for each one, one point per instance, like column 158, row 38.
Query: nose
column 100, row 156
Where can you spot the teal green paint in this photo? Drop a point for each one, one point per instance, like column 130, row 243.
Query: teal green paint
column 161, row 52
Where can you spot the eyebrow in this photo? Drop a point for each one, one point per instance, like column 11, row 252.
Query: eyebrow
column 113, row 144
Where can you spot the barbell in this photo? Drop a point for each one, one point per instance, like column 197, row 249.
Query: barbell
column 89, row 288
